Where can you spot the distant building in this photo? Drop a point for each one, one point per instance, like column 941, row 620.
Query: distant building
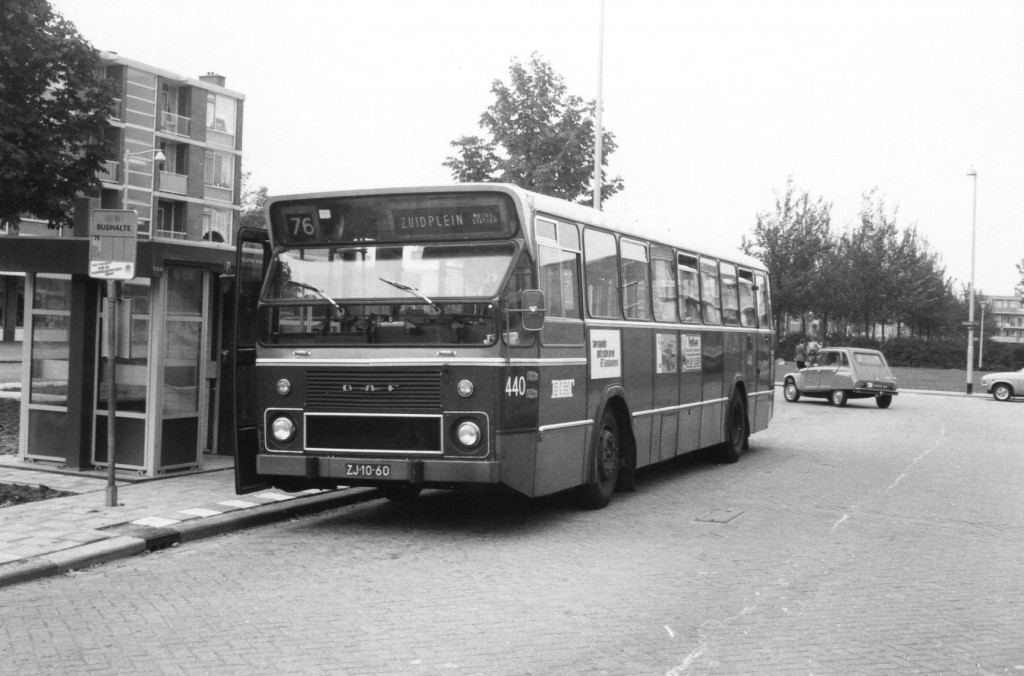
column 1008, row 314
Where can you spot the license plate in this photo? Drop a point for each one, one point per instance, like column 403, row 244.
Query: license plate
column 368, row 470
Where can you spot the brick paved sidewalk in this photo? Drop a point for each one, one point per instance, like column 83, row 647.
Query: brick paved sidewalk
column 54, row 536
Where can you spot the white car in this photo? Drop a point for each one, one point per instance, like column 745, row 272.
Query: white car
column 1004, row 386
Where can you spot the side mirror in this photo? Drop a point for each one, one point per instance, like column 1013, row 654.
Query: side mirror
column 533, row 309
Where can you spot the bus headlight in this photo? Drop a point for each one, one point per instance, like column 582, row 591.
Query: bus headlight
column 468, row 433
column 465, row 388
column 283, row 429
column 283, row 386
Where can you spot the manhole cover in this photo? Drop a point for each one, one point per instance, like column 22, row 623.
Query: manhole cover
column 720, row 515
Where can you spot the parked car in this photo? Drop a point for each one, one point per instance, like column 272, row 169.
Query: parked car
column 842, row 373
column 1004, row 386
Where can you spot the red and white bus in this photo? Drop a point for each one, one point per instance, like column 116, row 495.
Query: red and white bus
column 482, row 334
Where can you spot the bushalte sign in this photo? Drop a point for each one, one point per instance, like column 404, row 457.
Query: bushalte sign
column 114, row 233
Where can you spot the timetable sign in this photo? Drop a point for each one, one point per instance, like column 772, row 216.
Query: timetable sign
column 113, row 235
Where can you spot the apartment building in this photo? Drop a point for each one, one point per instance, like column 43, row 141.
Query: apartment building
column 1008, row 315
column 176, row 161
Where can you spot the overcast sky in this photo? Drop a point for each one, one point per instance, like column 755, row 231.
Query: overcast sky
column 714, row 105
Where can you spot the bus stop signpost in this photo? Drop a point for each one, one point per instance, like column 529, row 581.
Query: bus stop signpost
column 113, row 235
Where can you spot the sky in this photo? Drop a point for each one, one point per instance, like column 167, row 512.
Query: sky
column 715, row 106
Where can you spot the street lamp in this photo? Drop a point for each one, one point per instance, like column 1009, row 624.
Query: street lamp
column 981, row 338
column 970, row 309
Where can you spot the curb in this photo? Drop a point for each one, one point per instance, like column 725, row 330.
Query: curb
column 131, row 539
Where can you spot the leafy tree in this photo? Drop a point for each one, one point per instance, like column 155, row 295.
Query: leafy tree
column 541, row 138
column 794, row 243
column 253, row 203
column 1020, row 285
column 54, row 106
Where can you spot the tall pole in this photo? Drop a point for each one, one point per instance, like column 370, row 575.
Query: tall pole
column 598, row 129
column 112, row 395
column 981, row 336
column 970, row 310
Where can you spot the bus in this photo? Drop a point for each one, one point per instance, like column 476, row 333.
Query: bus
column 482, row 334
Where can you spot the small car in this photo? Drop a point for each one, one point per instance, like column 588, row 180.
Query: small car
column 1004, row 386
column 842, row 373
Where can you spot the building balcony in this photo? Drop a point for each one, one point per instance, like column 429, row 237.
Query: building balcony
column 115, row 110
column 174, row 183
column 110, row 172
column 175, row 124
column 220, row 138
column 213, row 192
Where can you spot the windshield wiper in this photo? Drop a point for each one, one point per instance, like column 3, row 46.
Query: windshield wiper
column 413, row 290
column 319, row 292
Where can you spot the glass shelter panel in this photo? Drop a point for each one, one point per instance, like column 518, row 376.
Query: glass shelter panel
column 183, row 340
column 51, row 317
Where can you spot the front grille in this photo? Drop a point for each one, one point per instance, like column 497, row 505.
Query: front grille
column 359, row 390
column 373, row 433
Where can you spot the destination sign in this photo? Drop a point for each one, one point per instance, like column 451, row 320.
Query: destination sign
column 334, row 220
column 433, row 221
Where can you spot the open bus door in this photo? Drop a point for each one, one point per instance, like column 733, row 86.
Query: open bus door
column 252, row 256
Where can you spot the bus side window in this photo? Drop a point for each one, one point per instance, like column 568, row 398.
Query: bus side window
column 763, row 311
column 633, row 265
column 748, row 315
column 602, row 274
column 663, row 275
column 730, row 294
column 710, row 291
column 560, row 281
column 689, row 289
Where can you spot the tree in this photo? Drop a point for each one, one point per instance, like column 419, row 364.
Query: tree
column 54, row 106
column 253, row 204
column 541, row 138
column 794, row 244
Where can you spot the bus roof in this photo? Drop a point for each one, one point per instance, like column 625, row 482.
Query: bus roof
column 547, row 205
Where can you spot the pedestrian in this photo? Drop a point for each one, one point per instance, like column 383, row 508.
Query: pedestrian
column 812, row 350
column 800, row 354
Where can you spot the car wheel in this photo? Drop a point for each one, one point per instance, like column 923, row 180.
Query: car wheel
column 883, row 400
column 790, row 391
column 1002, row 392
column 838, row 397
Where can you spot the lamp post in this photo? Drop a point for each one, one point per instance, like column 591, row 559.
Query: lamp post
column 981, row 337
column 970, row 309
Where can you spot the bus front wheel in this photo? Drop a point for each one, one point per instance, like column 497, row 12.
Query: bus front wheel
column 607, row 458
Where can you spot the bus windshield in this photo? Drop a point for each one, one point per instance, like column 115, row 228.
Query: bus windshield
column 406, row 294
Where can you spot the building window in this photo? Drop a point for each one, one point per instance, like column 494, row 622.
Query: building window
column 220, row 119
column 217, row 225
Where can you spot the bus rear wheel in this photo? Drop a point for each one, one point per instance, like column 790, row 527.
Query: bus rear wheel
column 737, row 432
column 607, row 458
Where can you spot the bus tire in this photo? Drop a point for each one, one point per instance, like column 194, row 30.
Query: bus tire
column 401, row 492
column 737, row 431
column 607, row 458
